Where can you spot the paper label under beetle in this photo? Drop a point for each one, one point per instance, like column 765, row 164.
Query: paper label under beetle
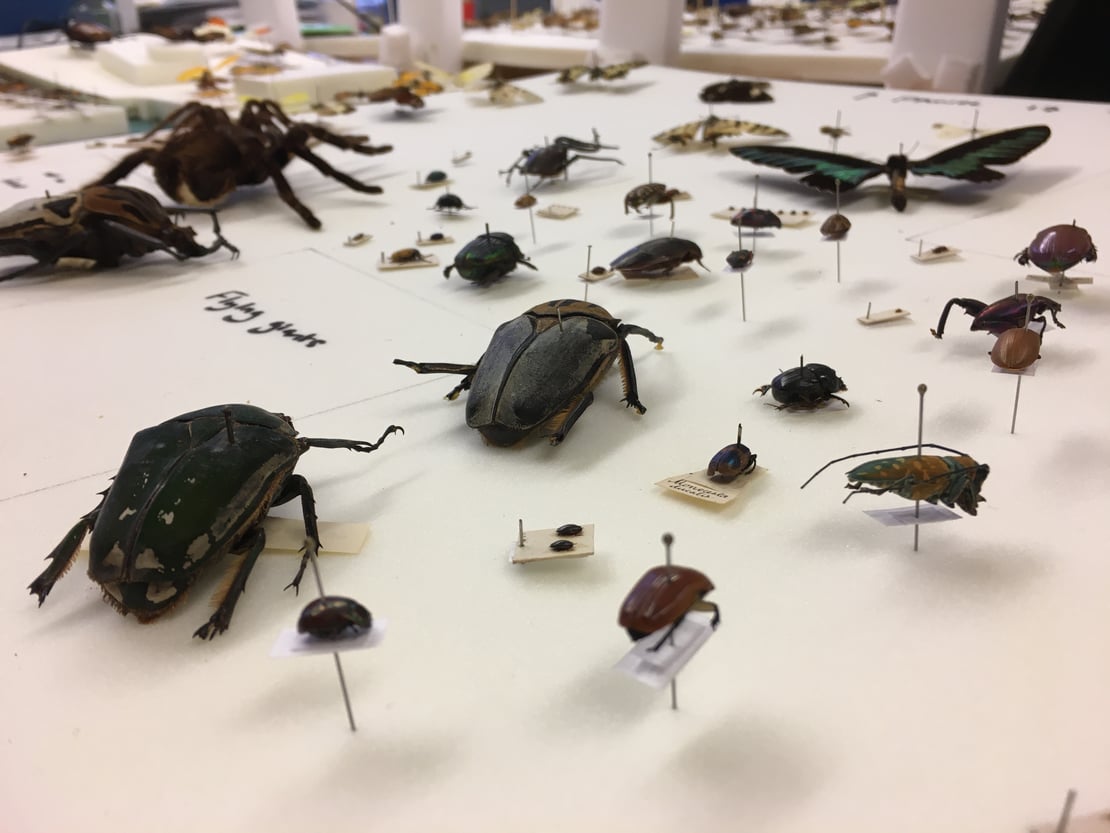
column 658, row 668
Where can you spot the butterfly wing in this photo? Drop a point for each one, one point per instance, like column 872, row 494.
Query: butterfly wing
column 969, row 160
column 614, row 71
column 507, row 95
column 472, row 76
column 714, row 128
column 572, row 74
column 824, row 170
column 681, row 135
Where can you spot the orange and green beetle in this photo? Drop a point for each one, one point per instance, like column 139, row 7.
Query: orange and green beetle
column 952, row 480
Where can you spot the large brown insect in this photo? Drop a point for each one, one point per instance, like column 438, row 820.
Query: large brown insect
column 208, row 155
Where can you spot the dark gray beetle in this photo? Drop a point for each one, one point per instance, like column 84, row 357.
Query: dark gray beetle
column 659, row 256
column 540, row 370
column 189, row 491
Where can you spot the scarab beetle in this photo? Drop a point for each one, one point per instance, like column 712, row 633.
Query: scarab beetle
column 540, row 370
column 662, row 598
column 952, row 480
column 551, row 160
column 101, row 223
column 86, row 34
column 659, row 256
column 488, row 257
column 835, row 226
column 189, row 491
column 731, row 461
column 756, row 218
column 740, row 258
column 1058, row 248
column 407, row 256
column 450, row 203
column 804, row 386
column 1004, row 314
column 334, row 617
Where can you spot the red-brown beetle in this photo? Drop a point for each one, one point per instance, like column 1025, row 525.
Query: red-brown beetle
column 1016, row 349
column 662, row 598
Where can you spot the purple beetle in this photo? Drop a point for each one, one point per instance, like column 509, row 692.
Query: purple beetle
column 1004, row 314
column 1058, row 248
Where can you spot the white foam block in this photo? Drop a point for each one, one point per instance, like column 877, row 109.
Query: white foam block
column 147, row 60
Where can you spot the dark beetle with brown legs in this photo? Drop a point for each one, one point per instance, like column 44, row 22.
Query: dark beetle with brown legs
column 207, row 155
column 540, row 370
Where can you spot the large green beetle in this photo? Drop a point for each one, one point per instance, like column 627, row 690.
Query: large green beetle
column 188, row 491
column 540, row 369
column 488, row 257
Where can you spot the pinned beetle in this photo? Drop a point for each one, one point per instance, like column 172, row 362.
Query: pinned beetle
column 662, row 598
column 805, row 386
column 540, row 370
column 334, row 617
column 1004, row 314
column 731, row 461
column 488, row 257
column 451, row 204
column 659, row 256
column 549, row 161
column 100, row 223
column 955, row 480
column 1058, row 248
column 189, row 491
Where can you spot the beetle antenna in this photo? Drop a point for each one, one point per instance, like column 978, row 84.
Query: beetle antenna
column 229, row 423
column 880, row 451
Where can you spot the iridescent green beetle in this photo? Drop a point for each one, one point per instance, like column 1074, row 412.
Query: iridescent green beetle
column 488, row 257
column 188, row 491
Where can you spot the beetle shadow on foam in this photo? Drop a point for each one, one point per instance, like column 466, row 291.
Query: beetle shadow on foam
column 601, row 700
column 768, row 768
column 983, row 571
column 520, row 282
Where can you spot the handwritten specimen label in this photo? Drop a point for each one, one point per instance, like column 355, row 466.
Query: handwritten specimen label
column 241, row 311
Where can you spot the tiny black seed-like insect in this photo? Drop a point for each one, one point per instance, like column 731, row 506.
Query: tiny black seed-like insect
column 435, row 176
column 562, row 545
column 568, row 529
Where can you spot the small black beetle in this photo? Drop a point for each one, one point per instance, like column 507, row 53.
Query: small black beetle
column 804, row 386
column 540, row 370
column 551, row 160
column 568, row 530
column 334, row 617
column 451, row 203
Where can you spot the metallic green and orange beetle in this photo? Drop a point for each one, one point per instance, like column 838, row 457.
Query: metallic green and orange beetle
column 952, row 480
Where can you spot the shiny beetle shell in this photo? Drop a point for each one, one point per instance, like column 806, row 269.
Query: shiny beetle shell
column 86, row 32
column 567, row 530
column 659, row 256
column 1016, row 349
column 952, row 480
column 836, row 226
column 435, row 176
column 488, row 257
column 731, row 462
column 334, row 617
column 808, row 386
column 451, row 203
column 661, row 597
column 540, row 370
column 1058, row 248
column 561, row 545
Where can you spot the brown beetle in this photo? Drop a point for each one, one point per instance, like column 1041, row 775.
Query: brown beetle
column 100, row 223
column 86, row 34
column 407, row 256
column 1016, row 349
column 207, row 155
column 662, row 597
column 649, row 194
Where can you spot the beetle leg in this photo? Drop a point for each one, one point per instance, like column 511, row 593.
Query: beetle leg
column 353, row 445
column 969, row 305
column 704, row 605
column 62, row 556
column 563, row 421
column 255, row 542
column 161, row 246
column 847, row 404
column 628, row 371
column 466, row 370
column 297, row 486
